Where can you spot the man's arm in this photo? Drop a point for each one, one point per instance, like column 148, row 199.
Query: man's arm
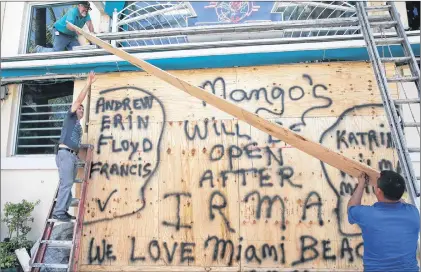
column 86, row 89
column 90, row 26
column 355, row 199
column 70, row 17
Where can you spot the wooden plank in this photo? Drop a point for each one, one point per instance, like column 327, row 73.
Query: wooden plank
column 351, row 167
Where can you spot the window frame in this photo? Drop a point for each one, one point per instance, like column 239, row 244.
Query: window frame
column 13, row 149
column 28, row 18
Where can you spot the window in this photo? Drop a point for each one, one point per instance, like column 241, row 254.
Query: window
column 42, row 111
column 413, row 12
column 42, row 19
column 143, row 15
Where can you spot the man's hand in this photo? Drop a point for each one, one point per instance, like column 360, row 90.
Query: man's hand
column 363, row 179
column 71, row 28
column 355, row 199
column 91, row 78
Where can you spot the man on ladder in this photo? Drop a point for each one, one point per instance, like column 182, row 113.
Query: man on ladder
column 66, row 158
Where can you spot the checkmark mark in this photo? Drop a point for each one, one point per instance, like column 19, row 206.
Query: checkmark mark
column 102, row 208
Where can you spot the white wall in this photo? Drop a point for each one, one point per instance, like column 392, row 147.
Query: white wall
column 401, row 7
column 11, row 28
column 2, row 8
column 24, row 177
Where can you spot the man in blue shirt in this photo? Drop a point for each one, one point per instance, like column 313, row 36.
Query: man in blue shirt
column 390, row 227
column 65, row 37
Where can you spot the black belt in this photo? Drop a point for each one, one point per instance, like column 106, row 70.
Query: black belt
column 68, row 149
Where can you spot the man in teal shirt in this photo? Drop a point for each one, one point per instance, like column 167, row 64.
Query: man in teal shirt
column 65, row 37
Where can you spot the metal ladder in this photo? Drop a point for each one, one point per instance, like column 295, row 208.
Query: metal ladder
column 391, row 106
column 37, row 260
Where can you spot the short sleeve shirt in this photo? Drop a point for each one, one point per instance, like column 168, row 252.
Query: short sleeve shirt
column 390, row 234
column 74, row 17
column 71, row 133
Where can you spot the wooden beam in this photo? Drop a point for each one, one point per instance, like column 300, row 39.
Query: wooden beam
column 347, row 165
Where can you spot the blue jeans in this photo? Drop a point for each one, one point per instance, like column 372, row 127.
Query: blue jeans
column 67, row 170
column 61, row 42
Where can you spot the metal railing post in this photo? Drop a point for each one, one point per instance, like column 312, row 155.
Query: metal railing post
column 114, row 28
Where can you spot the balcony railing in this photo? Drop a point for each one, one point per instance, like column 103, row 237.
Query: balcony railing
column 170, row 22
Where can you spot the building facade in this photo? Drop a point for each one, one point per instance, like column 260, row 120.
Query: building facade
column 174, row 176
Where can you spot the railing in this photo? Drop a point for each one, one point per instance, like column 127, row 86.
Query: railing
column 156, row 17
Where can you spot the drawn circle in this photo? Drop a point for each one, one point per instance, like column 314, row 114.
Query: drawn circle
column 295, row 97
column 221, row 152
column 243, row 95
column 277, row 94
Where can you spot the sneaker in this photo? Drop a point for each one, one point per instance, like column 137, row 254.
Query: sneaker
column 70, row 216
column 36, row 49
column 62, row 217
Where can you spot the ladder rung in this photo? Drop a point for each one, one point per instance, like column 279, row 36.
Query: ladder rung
column 402, row 79
column 73, row 199
column 384, row 24
column 413, row 149
column 411, row 124
column 388, row 41
column 377, row 8
column 396, row 60
column 80, row 163
column 407, row 101
column 51, row 220
column 58, row 266
column 85, row 146
column 78, row 181
column 57, row 243
column 378, row 18
column 75, row 202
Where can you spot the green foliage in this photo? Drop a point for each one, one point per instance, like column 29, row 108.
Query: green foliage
column 16, row 217
column 7, row 259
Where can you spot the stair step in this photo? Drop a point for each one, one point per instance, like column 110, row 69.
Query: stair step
column 411, row 124
column 384, row 24
column 51, row 220
column 407, row 101
column 396, row 60
column 414, row 149
column 385, row 41
column 402, row 79
column 58, row 266
column 57, row 243
column 378, row 8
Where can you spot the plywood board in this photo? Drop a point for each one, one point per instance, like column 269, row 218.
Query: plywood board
column 207, row 192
